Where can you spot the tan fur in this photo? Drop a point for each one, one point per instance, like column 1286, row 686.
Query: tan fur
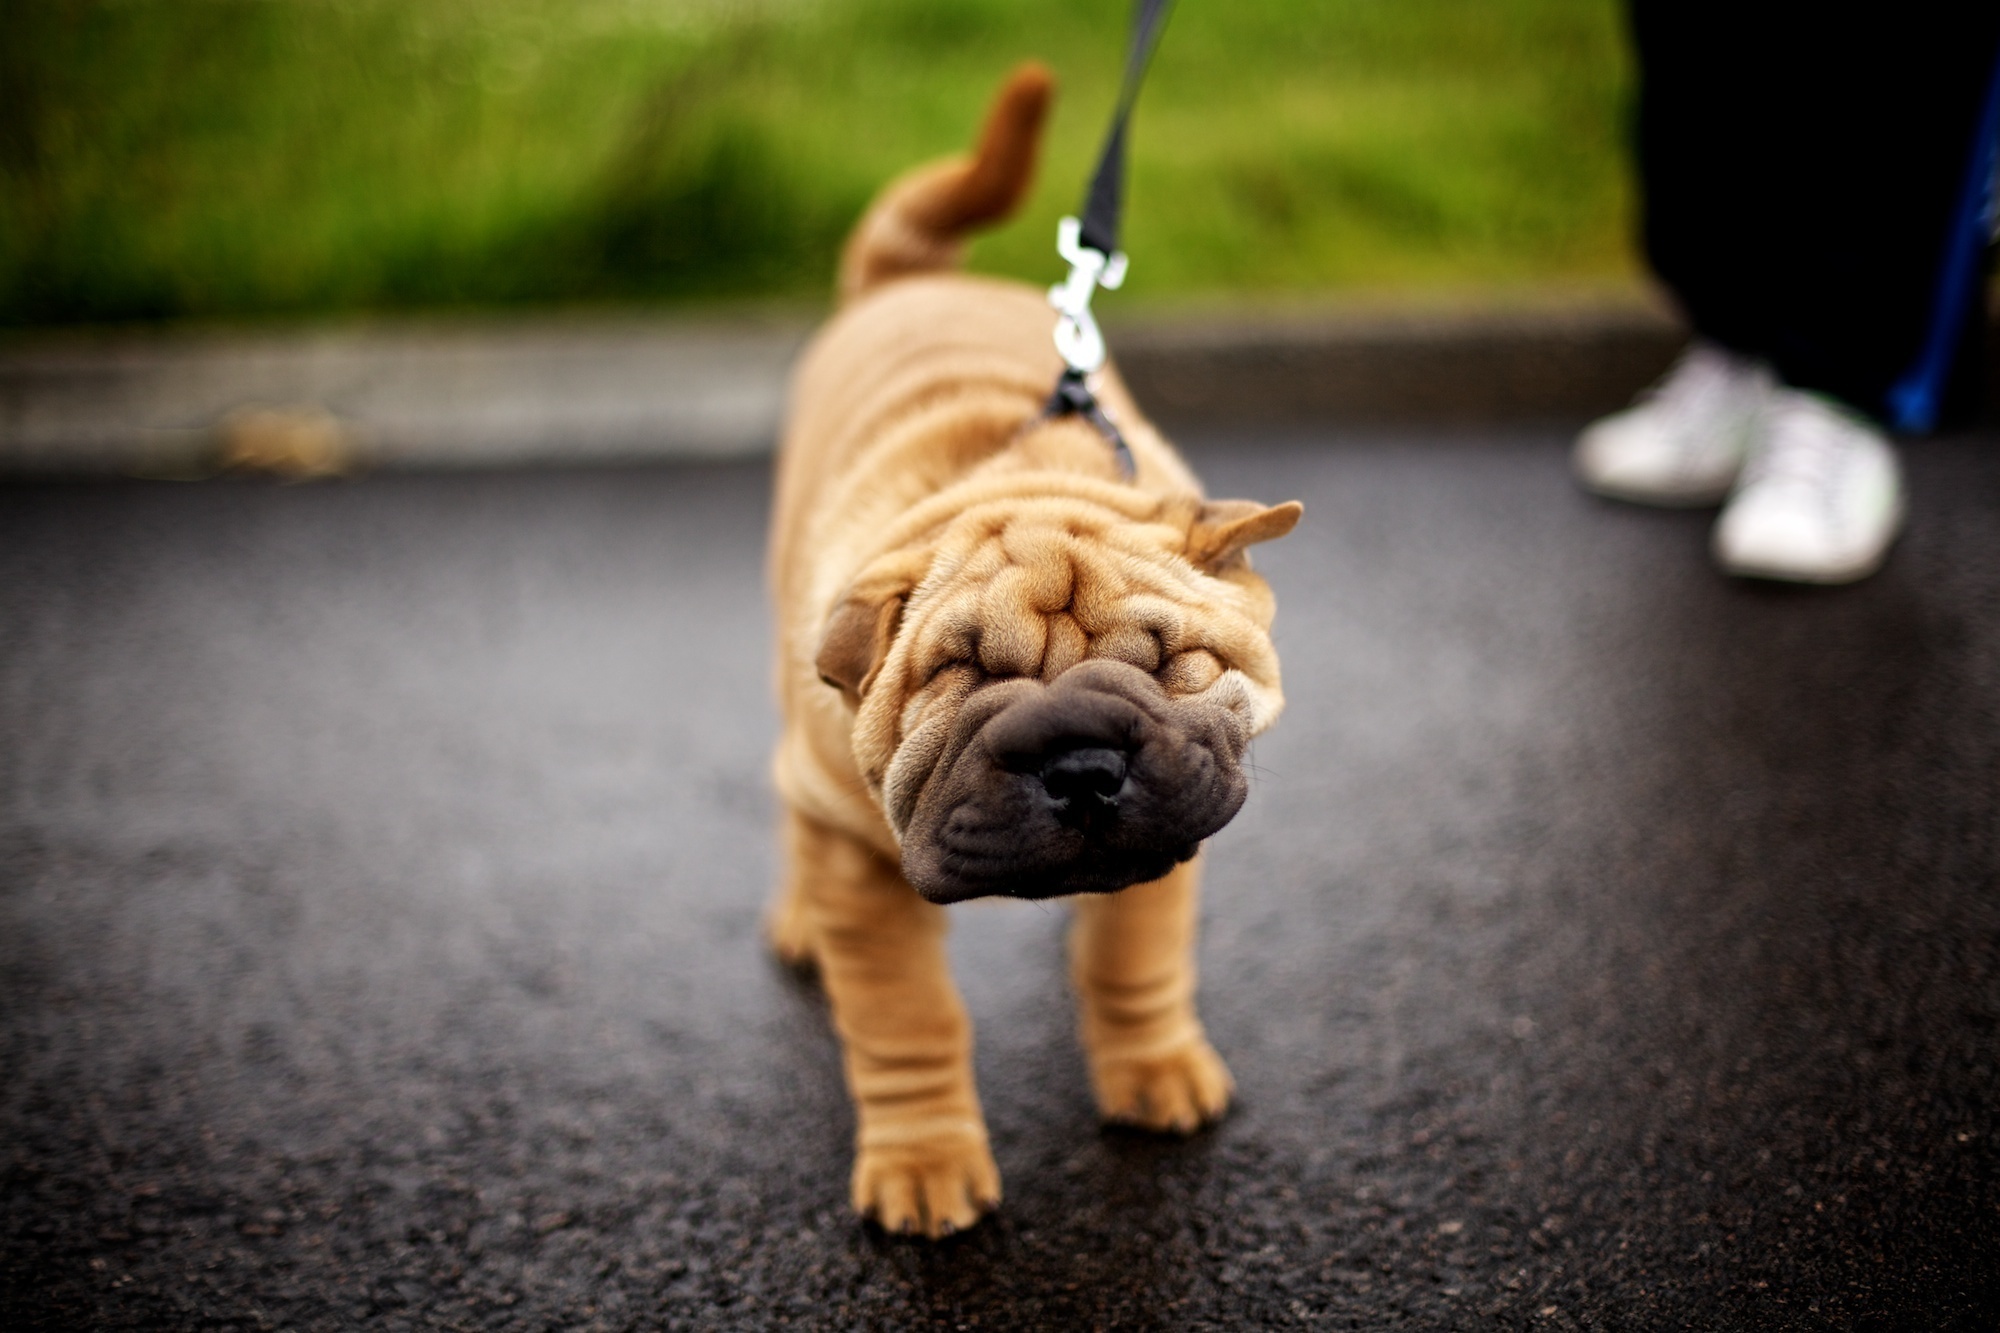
column 930, row 538
column 916, row 224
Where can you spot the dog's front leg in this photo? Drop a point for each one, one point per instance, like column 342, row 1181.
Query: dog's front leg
column 1132, row 958
column 922, row 1163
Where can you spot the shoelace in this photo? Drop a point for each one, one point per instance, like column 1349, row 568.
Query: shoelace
column 1806, row 444
column 1699, row 375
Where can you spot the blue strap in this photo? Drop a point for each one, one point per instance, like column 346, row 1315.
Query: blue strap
column 1915, row 400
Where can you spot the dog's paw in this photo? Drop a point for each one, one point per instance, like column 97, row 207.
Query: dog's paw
column 790, row 934
column 931, row 1187
column 1176, row 1093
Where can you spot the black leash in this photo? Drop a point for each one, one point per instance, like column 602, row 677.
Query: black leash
column 1090, row 244
column 1105, row 204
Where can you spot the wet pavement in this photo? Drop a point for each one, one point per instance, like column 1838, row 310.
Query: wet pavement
column 1604, row 944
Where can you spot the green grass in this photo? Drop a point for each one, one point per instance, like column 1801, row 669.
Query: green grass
column 209, row 158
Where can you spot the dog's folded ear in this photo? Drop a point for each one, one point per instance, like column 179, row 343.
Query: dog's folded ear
column 864, row 623
column 858, row 634
column 1222, row 529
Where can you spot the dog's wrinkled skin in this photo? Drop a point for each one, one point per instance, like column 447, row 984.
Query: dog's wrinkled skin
column 1005, row 670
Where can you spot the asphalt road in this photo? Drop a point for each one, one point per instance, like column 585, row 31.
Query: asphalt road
column 1604, row 944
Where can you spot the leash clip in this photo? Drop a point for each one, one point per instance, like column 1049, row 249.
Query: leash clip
column 1077, row 335
column 1079, row 339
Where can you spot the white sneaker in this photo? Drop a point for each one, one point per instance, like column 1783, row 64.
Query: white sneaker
column 1820, row 499
column 1685, row 440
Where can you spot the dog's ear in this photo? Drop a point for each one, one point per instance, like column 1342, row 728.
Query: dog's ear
column 1223, row 528
column 858, row 635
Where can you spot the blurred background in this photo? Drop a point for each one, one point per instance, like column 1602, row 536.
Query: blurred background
column 217, row 159
column 1607, row 943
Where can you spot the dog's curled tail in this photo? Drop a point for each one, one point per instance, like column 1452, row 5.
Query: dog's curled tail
column 919, row 223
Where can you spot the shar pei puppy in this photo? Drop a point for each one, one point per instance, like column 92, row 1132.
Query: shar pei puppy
column 1006, row 669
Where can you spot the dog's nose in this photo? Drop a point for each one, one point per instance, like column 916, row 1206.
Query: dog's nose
column 1084, row 782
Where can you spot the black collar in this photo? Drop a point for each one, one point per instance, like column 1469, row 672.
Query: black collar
column 1072, row 397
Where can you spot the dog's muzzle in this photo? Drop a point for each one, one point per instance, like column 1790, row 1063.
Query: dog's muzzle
column 1090, row 783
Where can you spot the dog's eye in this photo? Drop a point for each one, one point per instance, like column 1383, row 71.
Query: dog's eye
column 943, row 665
column 1190, row 672
column 1131, row 644
column 945, row 672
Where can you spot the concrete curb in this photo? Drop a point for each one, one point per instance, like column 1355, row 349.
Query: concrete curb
column 552, row 391
column 1563, row 362
column 408, row 395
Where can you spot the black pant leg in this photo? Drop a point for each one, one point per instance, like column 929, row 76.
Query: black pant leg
column 1803, row 167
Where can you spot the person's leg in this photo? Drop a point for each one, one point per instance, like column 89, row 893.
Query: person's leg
column 1805, row 175
column 1817, row 188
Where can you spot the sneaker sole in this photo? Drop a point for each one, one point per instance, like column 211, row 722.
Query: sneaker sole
column 1852, row 572
column 1706, row 499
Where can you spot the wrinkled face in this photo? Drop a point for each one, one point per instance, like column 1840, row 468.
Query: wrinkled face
column 1061, row 702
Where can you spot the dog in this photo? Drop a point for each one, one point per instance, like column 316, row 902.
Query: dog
column 1005, row 669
